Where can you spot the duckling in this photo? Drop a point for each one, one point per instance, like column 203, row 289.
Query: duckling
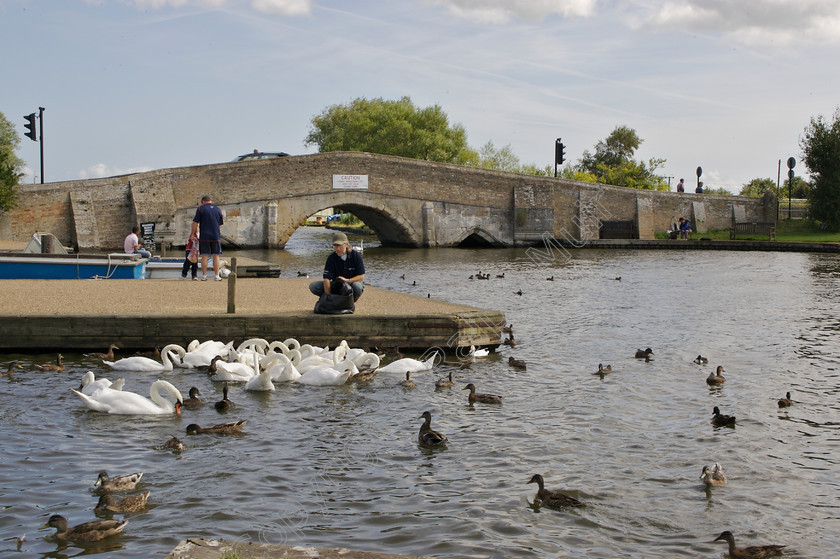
column 752, row 552
column 552, row 499
column 232, row 428
column 484, row 398
column 716, row 377
column 132, row 503
column 108, row 356
column 713, row 475
column 444, row 383
column 603, row 370
column 87, row 532
column 12, row 366
column 193, row 401
column 720, row 420
column 174, row 444
column 117, row 483
column 57, row 366
column 224, row 404
column 518, row 363
column 644, row 354
column 701, row 360
column 407, row 383
column 786, row 401
column 427, row 435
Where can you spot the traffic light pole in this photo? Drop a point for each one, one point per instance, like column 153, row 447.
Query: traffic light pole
column 41, row 130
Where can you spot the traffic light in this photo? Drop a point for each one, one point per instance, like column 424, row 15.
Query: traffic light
column 30, row 125
column 559, row 152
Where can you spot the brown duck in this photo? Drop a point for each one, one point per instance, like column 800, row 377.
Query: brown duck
column 518, row 363
column 721, row 420
column 752, row 552
column 12, row 366
column 132, row 503
column 444, row 382
column 552, row 499
column 174, row 444
column 428, row 436
column 224, row 404
column 87, row 532
column 108, row 356
column 786, row 401
column 716, row 377
column 483, row 398
column 57, row 366
column 407, row 383
column 117, row 483
column 193, row 401
column 232, row 428
column 644, row 353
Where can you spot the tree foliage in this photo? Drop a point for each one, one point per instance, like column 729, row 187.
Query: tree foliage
column 821, row 149
column 757, row 187
column 10, row 164
column 391, row 128
column 613, row 163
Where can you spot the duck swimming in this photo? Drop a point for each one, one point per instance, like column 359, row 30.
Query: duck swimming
column 701, row 360
column 117, row 483
column 407, row 383
column 713, row 475
column 11, row 370
column 87, row 532
column 427, row 435
column 57, row 366
column 224, row 404
column 644, row 354
column 603, row 370
column 444, row 382
column 109, row 355
column 174, row 444
column 716, row 377
column 552, row 499
column 720, row 420
column 518, row 363
column 193, row 401
column 232, row 428
column 752, row 552
column 786, row 401
column 484, row 398
column 132, row 503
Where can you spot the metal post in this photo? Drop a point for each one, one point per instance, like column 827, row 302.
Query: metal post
column 41, row 120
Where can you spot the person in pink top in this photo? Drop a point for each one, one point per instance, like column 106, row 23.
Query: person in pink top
column 132, row 244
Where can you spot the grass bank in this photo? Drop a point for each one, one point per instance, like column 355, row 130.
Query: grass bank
column 790, row 230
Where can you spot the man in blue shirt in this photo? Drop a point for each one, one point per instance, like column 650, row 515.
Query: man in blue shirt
column 206, row 223
column 344, row 263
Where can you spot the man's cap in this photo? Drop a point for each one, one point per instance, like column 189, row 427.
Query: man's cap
column 339, row 239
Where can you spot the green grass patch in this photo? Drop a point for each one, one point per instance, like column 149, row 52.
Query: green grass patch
column 791, row 231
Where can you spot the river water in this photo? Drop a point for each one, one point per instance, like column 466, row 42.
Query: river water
column 340, row 466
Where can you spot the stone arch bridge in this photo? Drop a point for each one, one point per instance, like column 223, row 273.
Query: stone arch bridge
column 406, row 202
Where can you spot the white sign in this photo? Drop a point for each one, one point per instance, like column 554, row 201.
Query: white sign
column 350, row 182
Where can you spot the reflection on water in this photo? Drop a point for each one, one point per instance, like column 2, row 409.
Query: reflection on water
column 340, row 466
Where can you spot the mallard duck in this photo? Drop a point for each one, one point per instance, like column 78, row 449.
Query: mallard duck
column 444, row 382
column 193, row 401
column 716, row 377
column 603, row 370
column 510, row 340
column 701, row 360
column 644, row 354
column 752, row 552
column 57, row 366
column 786, row 401
column 501, row 276
column 427, row 435
column 132, row 503
column 552, row 499
column 109, row 355
column 87, row 532
column 224, row 404
column 518, row 363
column 364, row 376
column 11, row 370
column 232, row 428
column 719, row 420
column 713, row 475
column 407, row 383
column 117, row 483
column 484, row 398
column 174, row 444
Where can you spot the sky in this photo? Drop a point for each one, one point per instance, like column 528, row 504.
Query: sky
column 136, row 85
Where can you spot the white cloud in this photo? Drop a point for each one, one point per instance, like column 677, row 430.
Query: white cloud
column 502, row 11
column 100, row 170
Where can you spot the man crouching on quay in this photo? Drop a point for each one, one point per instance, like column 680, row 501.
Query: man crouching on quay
column 344, row 263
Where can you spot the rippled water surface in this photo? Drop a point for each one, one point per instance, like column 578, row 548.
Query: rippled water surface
column 340, row 466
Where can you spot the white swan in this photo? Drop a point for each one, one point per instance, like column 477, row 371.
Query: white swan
column 409, row 365
column 144, row 364
column 203, row 354
column 477, row 353
column 128, row 403
column 234, row 372
column 367, row 361
column 260, row 383
column 91, row 384
column 325, row 376
column 281, row 368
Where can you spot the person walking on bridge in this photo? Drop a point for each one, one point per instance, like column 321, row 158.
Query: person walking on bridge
column 206, row 224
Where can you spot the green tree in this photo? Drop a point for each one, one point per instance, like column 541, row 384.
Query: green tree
column 821, row 149
column 10, row 164
column 613, row 163
column 757, row 187
column 502, row 159
column 391, row 128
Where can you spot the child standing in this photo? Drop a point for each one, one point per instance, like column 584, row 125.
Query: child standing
column 190, row 258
